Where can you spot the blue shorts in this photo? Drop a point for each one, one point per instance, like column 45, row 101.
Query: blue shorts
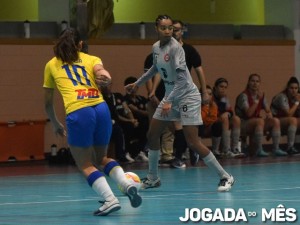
column 89, row 126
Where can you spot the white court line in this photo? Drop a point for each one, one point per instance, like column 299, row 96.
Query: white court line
column 233, row 199
column 268, row 189
column 162, row 196
column 56, row 201
column 256, row 164
column 47, row 202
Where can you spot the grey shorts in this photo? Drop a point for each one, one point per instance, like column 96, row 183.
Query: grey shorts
column 187, row 111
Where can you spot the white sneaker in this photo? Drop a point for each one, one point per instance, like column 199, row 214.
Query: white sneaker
column 108, row 207
column 225, row 184
column 128, row 157
column 238, row 153
column 142, row 156
column 229, row 154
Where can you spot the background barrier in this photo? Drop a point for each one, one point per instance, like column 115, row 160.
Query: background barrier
column 22, row 140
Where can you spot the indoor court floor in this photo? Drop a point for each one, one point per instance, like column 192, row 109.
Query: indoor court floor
column 36, row 193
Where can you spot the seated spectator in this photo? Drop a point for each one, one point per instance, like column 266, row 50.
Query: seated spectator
column 138, row 106
column 120, row 113
column 212, row 127
column 230, row 122
column 285, row 106
column 249, row 105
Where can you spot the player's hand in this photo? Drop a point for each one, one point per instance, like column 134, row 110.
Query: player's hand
column 103, row 78
column 269, row 115
column 260, row 94
column 131, row 88
column 205, row 98
column 103, row 81
column 60, row 130
column 166, row 107
column 297, row 97
column 135, row 123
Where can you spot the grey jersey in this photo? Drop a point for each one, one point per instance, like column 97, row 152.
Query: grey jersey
column 280, row 104
column 168, row 60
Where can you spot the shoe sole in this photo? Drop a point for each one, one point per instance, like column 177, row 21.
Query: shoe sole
column 113, row 208
column 134, row 198
column 178, row 167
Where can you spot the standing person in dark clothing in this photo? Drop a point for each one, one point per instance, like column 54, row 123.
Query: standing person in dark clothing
column 120, row 113
column 138, row 106
column 193, row 60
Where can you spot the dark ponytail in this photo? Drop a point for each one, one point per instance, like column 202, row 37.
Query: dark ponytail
column 67, row 46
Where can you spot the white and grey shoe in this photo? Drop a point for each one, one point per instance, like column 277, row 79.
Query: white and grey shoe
column 225, row 184
column 108, row 207
column 147, row 183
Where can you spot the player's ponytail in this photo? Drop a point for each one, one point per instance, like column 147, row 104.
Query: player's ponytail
column 67, row 46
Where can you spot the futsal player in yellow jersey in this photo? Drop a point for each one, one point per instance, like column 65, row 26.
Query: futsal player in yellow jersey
column 77, row 75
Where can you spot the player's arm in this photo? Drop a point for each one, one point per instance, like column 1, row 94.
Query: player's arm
column 102, row 76
column 128, row 115
column 149, row 85
column 202, row 81
column 49, row 107
column 284, row 105
column 292, row 110
column 145, row 77
column 138, row 111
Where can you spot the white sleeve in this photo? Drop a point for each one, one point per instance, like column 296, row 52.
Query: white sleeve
column 146, row 76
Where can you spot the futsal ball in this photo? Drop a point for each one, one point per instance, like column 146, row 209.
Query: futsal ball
column 134, row 179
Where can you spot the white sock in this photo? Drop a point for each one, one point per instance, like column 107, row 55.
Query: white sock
column 235, row 138
column 215, row 143
column 118, row 175
column 101, row 187
column 275, row 139
column 212, row 163
column 291, row 134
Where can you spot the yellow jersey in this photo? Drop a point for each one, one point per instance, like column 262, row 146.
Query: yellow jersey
column 75, row 82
